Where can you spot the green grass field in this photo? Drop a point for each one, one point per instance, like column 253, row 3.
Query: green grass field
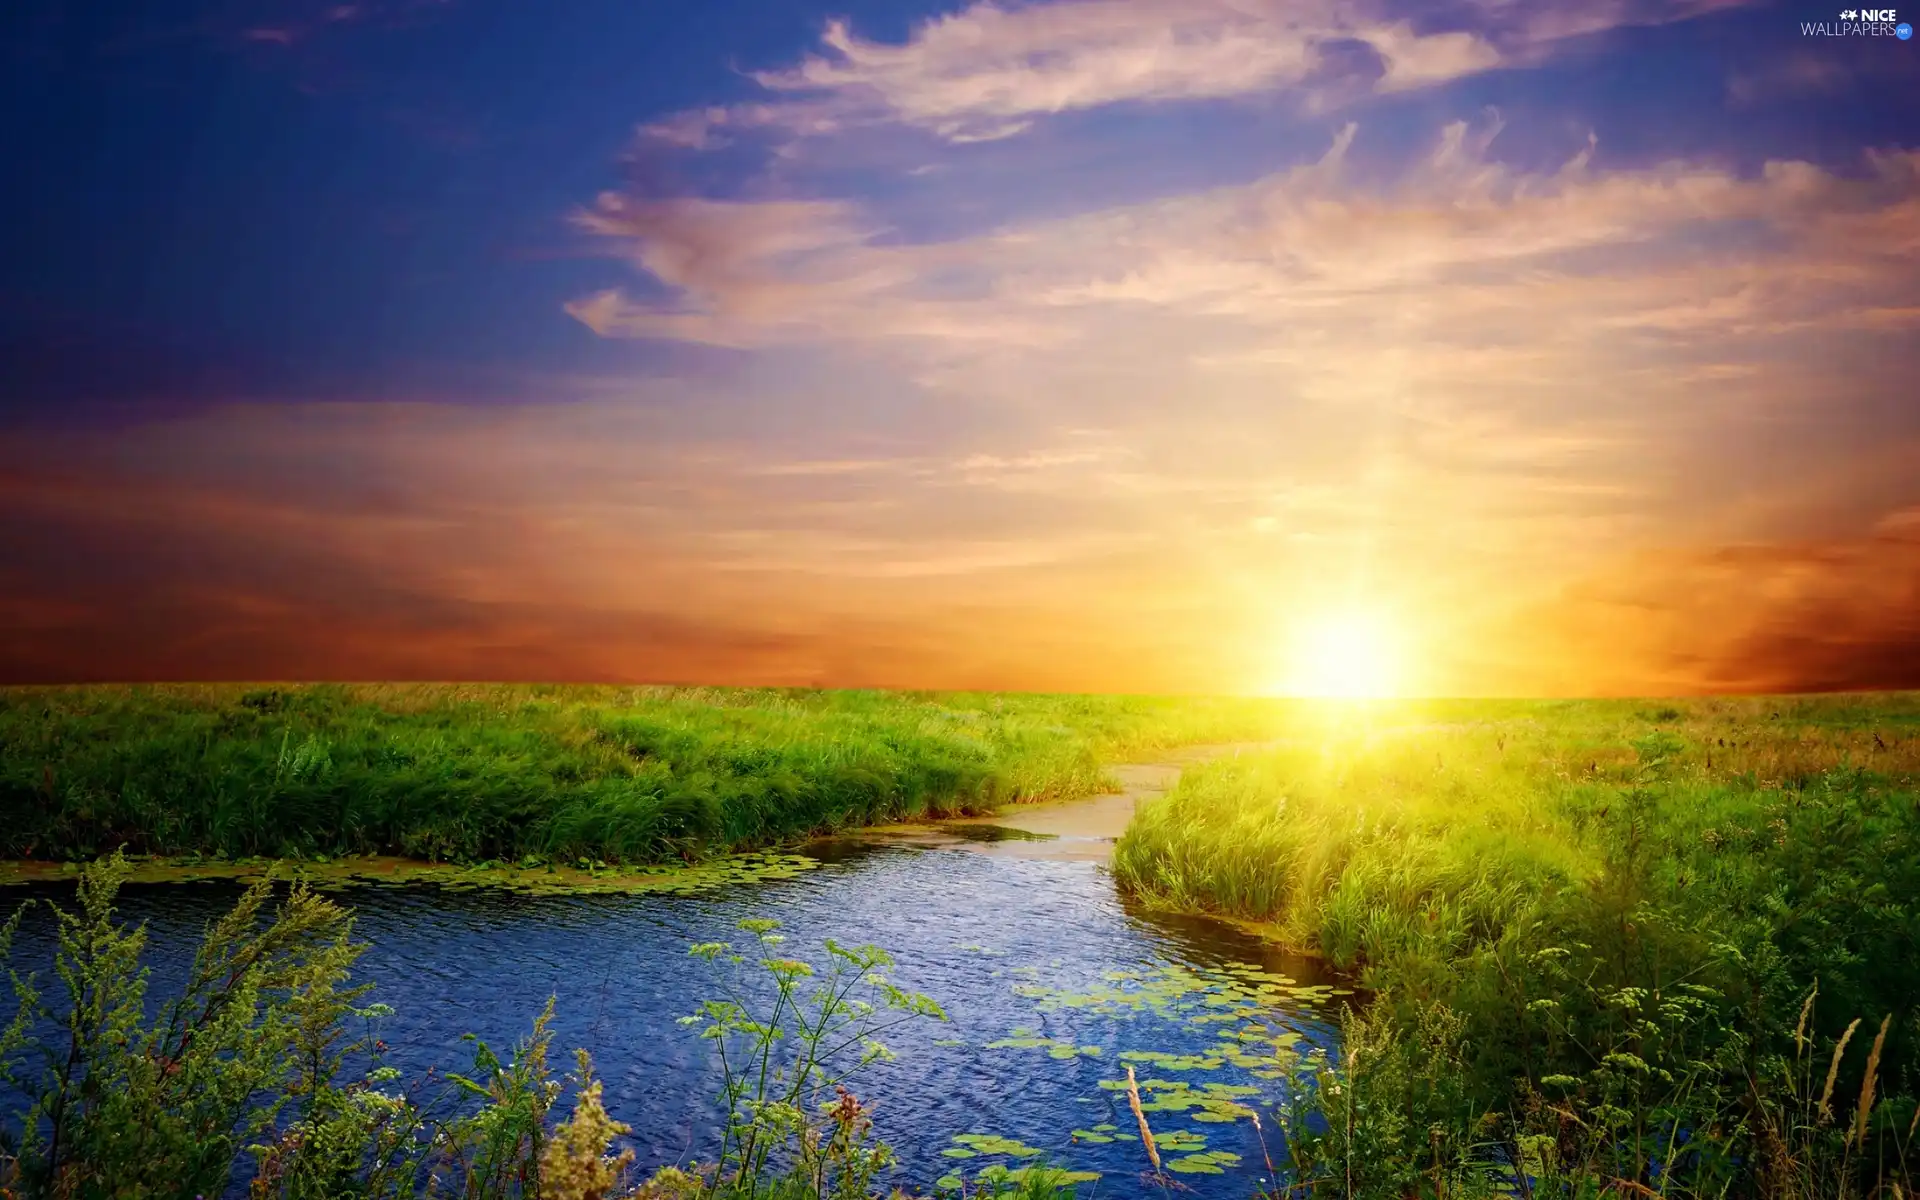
column 1614, row 948
column 1667, row 948
column 470, row 773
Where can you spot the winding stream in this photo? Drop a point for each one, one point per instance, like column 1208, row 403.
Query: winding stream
column 1054, row 985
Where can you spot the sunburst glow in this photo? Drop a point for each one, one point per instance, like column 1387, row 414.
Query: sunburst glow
column 1345, row 655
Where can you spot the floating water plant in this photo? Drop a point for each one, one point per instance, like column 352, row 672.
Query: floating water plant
column 968, row 1145
column 1062, row 1048
column 1210, row 1162
column 339, row 874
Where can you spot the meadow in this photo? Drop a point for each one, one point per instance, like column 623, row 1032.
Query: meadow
column 1619, row 948
column 471, row 773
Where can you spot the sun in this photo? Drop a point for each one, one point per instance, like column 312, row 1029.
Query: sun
column 1346, row 655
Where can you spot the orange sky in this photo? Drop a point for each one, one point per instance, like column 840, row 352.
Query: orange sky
column 1578, row 421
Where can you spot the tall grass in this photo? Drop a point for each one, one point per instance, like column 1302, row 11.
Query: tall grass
column 1595, row 931
column 474, row 772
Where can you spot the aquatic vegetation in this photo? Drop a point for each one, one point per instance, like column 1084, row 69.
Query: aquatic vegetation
column 336, row 875
column 580, row 777
column 1099, row 1135
column 1261, row 1005
column 1594, row 933
column 969, row 1145
column 780, row 1055
column 1211, row 1103
column 1041, row 1175
column 1000, row 1182
column 1250, row 1008
column 997, row 1179
column 1026, row 1039
column 1213, row 1163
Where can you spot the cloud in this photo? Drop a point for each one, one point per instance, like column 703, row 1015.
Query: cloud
column 745, row 273
column 1840, row 613
column 610, row 539
column 570, row 541
column 989, row 71
column 1791, row 78
column 305, row 20
column 1457, row 258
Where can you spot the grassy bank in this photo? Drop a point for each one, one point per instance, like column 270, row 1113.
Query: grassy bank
column 1664, row 948
column 470, row 773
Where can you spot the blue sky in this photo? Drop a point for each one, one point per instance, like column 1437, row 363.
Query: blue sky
column 882, row 332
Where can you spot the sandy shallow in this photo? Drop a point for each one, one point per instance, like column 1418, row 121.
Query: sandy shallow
column 1061, row 831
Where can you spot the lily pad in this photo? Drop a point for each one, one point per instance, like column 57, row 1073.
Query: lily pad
column 991, row 1143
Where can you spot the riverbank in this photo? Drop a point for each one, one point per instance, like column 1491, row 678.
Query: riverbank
column 1665, row 948
column 537, row 776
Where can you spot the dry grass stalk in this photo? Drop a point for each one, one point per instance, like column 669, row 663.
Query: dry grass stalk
column 1833, row 1072
column 1800, row 1028
column 1140, row 1115
column 1865, row 1108
column 1274, row 1175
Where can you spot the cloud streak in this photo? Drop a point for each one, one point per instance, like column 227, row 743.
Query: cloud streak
column 989, row 71
column 1450, row 262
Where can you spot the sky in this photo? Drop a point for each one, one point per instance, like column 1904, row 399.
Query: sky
column 1537, row 348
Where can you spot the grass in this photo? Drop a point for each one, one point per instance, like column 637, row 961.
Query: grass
column 1618, row 943
column 548, row 773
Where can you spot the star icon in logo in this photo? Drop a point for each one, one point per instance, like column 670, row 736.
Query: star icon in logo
column 1849, row 14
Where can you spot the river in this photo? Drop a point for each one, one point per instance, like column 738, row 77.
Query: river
column 1013, row 926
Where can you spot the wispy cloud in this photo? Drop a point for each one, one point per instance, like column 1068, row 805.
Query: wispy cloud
column 1460, row 257
column 400, row 541
column 990, row 70
column 749, row 273
column 299, row 22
